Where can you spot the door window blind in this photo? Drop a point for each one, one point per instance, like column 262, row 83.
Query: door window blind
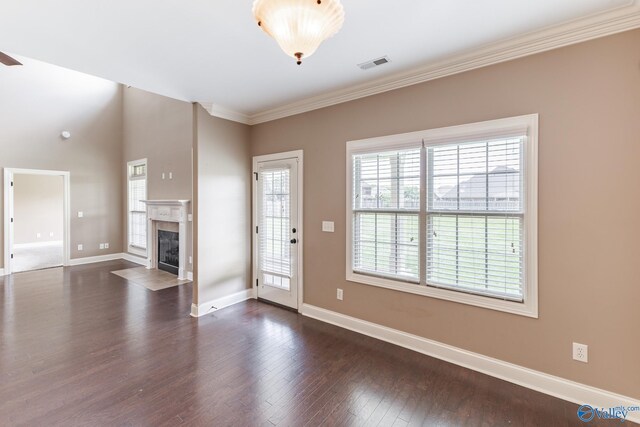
column 275, row 225
column 475, row 217
column 386, row 214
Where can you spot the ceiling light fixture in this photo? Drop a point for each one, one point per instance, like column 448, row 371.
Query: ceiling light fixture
column 299, row 26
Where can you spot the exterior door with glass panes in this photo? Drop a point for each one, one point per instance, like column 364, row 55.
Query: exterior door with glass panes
column 277, row 233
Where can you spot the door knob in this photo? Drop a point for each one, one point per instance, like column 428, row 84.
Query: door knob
column 294, row 241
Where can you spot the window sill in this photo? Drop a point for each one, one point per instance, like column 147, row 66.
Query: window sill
column 529, row 308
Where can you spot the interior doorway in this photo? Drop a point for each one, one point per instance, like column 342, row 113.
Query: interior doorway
column 36, row 219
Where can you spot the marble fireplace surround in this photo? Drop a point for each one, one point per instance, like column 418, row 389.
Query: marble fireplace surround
column 169, row 215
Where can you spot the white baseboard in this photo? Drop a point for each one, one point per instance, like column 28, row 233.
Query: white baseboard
column 38, row 244
column 135, row 259
column 88, row 260
column 220, row 303
column 92, row 259
column 535, row 380
column 194, row 310
column 101, row 258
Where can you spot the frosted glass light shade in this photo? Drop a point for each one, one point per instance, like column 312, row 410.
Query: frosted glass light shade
column 299, row 26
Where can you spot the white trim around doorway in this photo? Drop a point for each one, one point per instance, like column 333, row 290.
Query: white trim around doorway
column 298, row 154
column 8, row 211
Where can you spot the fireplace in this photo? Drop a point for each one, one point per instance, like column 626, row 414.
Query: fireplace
column 167, row 236
column 168, row 251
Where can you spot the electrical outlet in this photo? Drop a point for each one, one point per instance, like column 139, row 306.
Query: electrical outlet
column 80, row 247
column 80, row 214
column 51, row 234
column 340, row 294
column 38, row 235
column 101, row 245
column 580, row 352
column 106, row 246
column 170, row 175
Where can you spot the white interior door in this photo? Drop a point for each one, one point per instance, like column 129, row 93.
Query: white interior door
column 278, row 234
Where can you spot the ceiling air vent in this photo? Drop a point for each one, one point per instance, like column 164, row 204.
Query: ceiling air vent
column 374, row 63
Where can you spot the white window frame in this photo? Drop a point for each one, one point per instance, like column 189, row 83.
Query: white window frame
column 529, row 124
column 134, row 249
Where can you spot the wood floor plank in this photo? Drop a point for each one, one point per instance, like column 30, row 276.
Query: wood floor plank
column 83, row 347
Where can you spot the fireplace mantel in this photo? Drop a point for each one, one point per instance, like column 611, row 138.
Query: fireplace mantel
column 159, row 211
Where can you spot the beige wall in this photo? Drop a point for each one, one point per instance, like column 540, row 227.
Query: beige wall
column 37, row 102
column 38, row 208
column 588, row 98
column 223, row 213
column 159, row 129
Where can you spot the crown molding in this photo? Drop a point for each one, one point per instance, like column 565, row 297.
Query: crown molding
column 225, row 113
column 602, row 24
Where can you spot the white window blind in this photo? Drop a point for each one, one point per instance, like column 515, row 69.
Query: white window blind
column 386, row 214
column 137, row 191
column 475, row 217
column 275, row 225
column 449, row 213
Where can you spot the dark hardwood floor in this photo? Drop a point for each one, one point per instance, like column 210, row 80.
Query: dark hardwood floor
column 81, row 346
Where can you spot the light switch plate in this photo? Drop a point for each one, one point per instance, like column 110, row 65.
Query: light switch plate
column 328, row 226
column 80, row 214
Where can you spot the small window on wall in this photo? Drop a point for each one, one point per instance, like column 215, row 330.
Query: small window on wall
column 137, row 210
column 449, row 213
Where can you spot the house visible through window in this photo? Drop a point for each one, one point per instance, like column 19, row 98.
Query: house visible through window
column 475, row 217
column 448, row 213
column 137, row 191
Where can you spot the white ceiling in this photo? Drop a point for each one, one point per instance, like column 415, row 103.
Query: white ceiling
column 212, row 51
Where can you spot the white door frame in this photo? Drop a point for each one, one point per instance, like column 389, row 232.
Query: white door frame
column 8, row 212
column 298, row 154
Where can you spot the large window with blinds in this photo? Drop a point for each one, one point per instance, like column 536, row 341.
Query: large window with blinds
column 137, row 210
column 449, row 213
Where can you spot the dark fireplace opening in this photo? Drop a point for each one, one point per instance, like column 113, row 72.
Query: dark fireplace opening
column 168, row 251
